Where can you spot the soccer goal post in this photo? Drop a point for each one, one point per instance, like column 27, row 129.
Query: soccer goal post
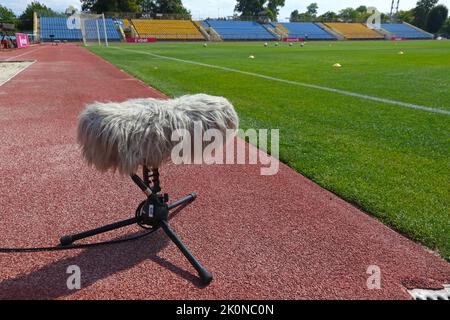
column 92, row 26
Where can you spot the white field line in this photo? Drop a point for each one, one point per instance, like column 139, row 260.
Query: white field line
column 19, row 71
column 295, row 83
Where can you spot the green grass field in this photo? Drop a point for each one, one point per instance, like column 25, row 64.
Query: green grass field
column 391, row 161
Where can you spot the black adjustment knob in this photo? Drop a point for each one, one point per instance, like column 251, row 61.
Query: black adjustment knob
column 166, row 198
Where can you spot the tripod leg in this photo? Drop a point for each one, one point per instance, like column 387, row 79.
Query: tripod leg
column 204, row 274
column 69, row 239
column 146, row 176
column 141, row 184
column 186, row 200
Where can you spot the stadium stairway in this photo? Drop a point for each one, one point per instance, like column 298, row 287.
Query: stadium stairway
column 202, row 30
column 282, row 31
column 387, row 35
column 129, row 29
column 273, row 30
column 214, row 35
column 282, row 28
column 120, row 28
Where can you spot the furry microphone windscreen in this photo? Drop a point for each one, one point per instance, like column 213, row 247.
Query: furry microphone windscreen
column 121, row 136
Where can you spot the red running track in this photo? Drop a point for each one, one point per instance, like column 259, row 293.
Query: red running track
column 277, row 237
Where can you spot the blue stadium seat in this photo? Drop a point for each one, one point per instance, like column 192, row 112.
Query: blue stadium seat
column 405, row 31
column 240, row 30
column 57, row 26
column 307, row 30
column 205, row 24
column 111, row 30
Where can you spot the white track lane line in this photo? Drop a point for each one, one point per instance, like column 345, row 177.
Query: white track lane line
column 295, row 83
column 20, row 55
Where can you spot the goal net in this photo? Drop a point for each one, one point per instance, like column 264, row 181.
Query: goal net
column 92, row 26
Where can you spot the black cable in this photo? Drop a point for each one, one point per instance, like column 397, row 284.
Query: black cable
column 77, row 246
column 148, row 232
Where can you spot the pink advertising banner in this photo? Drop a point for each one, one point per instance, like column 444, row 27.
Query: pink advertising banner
column 22, row 40
column 395, row 38
column 141, row 40
column 293, row 39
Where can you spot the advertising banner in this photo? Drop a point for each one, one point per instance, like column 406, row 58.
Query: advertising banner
column 293, row 39
column 141, row 40
column 22, row 40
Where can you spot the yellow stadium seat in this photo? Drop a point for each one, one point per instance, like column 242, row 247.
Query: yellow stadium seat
column 354, row 30
column 167, row 29
column 198, row 24
column 280, row 26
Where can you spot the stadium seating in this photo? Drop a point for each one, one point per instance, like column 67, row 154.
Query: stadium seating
column 307, row 30
column 281, row 27
column 167, row 29
column 198, row 24
column 405, row 31
column 272, row 30
column 57, row 26
column 111, row 29
column 240, row 30
column 354, row 31
column 204, row 24
column 227, row 29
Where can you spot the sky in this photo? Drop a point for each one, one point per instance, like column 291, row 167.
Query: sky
column 201, row 9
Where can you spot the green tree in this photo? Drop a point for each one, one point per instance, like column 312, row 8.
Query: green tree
column 436, row 18
column 311, row 10
column 170, row 7
column 446, row 28
column 309, row 15
column 328, row 16
column 6, row 15
column 254, row 8
column 362, row 14
column 294, row 16
column 147, row 6
column 301, row 17
column 273, row 8
column 86, row 5
column 421, row 12
column 405, row 16
column 26, row 18
column 101, row 6
column 70, row 10
column 349, row 15
column 249, row 8
column 361, row 9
